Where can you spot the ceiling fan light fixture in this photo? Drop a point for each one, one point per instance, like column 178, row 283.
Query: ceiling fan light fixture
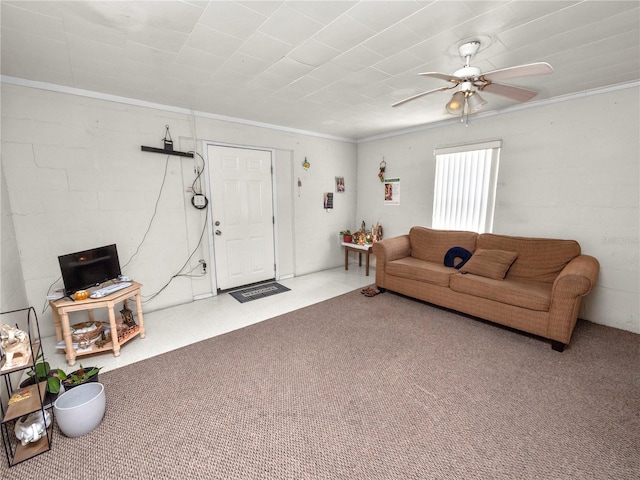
column 456, row 104
column 476, row 102
column 469, row 81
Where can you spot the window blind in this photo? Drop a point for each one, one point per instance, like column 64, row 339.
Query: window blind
column 465, row 185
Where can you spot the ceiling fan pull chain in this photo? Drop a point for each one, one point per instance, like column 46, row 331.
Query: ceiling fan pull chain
column 465, row 108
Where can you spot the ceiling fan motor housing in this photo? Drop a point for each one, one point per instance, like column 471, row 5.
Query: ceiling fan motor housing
column 469, row 49
column 468, row 73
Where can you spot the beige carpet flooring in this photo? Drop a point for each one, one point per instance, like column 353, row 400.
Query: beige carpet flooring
column 366, row 388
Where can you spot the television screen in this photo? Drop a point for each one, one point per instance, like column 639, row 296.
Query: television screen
column 82, row 270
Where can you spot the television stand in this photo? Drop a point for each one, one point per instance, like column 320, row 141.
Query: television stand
column 63, row 306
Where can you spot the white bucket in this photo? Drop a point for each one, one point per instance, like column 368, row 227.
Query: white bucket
column 80, row 409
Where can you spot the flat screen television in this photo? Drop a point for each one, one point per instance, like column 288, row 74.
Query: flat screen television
column 82, row 270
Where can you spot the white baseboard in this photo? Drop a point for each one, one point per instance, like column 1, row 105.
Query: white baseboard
column 203, row 296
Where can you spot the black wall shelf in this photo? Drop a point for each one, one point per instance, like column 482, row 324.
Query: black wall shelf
column 166, row 152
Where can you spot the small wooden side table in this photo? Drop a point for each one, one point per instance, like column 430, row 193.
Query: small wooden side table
column 62, row 307
column 354, row 247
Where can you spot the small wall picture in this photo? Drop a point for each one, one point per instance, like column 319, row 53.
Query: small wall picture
column 328, row 200
column 340, row 185
column 392, row 191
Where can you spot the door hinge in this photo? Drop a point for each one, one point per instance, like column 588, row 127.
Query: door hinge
column 273, row 220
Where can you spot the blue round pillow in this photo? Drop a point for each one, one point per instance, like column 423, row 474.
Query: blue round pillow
column 456, row 252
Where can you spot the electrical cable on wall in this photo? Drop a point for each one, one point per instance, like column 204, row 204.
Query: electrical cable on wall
column 198, row 200
column 178, row 274
column 46, row 301
column 155, row 211
column 197, row 192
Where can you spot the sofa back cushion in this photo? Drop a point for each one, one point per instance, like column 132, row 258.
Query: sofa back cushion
column 540, row 259
column 432, row 245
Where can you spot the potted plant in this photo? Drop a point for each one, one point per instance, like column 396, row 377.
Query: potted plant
column 346, row 236
column 78, row 377
column 41, row 372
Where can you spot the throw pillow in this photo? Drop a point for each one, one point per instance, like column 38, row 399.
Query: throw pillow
column 456, row 252
column 490, row 263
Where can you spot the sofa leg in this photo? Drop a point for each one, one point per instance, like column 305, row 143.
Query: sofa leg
column 557, row 346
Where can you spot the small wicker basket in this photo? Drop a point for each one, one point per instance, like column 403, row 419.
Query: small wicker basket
column 86, row 332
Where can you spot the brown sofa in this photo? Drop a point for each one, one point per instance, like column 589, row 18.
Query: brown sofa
column 531, row 284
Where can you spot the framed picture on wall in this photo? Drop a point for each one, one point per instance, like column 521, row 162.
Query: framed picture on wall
column 392, row 191
column 340, row 185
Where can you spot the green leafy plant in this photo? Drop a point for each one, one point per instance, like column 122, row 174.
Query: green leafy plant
column 40, row 372
column 79, row 376
column 345, row 232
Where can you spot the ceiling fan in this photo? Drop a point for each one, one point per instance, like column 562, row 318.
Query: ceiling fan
column 471, row 81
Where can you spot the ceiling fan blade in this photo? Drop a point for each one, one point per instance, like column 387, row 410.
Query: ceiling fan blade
column 518, row 94
column 441, row 89
column 442, row 76
column 531, row 69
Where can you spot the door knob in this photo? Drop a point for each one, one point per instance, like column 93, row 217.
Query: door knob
column 218, row 232
column 217, row 224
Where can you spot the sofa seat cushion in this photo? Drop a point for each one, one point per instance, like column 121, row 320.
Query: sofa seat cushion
column 423, row 271
column 520, row 293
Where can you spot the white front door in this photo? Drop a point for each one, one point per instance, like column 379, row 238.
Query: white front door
column 242, row 215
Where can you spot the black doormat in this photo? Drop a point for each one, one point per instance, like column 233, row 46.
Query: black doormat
column 258, row 291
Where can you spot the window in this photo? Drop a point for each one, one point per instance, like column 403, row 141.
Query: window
column 465, row 187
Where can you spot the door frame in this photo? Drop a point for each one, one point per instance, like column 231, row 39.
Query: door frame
column 210, row 227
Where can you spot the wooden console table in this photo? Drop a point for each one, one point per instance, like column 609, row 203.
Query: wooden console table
column 62, row 307
column 354, row 247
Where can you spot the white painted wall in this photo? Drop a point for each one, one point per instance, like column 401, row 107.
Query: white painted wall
column 12, row 292
column 76, row 179
column 284, row 202
column 567, row 170
column 13, row 295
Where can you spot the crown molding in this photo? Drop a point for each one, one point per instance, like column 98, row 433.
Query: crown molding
column 514, row 108
column 396, row 133
column 166, row 108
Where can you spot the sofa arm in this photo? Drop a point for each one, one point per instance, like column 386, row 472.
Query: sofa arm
column 575, row 280
column 388, row 250
column 578, row 277
column 391, row 249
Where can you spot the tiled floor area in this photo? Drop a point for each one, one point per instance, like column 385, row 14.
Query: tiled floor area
column 176, row 327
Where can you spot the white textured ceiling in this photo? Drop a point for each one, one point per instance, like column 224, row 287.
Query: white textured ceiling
column 332, row 67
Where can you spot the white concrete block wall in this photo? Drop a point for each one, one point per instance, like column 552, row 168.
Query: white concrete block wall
column 567, row 170
column 12, row 291
column 76, row 179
